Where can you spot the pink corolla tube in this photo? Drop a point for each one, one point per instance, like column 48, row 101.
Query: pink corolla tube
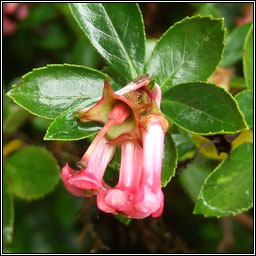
column 149, row 197
column 88, row 181
column 138, row 193
column 120, row 198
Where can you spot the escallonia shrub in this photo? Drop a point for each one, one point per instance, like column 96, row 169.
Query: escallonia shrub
column 133, row 104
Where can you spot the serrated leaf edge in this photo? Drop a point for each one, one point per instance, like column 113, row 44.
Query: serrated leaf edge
column 245, row 44
column 210, row 133
column 59, row 139
column 191, row 18
column 35, row 70
column 241, row 93
column 234, row 212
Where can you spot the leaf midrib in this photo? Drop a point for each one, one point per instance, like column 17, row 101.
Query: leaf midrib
column 185, row 59
column 129, row 61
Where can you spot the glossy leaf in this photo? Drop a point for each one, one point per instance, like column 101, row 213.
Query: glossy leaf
column 228, row 190
column 116, row 30
column 32, row 172
column 8, row 212
column 245, row 102
column 67, row 127
column 234, row 46
column 169, row 162
column 248, row 59
column 189, row 51
column 49, row 91
column 192, row 178
column 202, row 108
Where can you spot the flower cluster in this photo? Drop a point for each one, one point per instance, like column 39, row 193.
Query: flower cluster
column 132, row 120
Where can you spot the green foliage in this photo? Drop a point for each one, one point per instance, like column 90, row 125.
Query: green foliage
column 209, row 9
column 169, row 163
column 8, row 211
column 49, row 91
column 234, row 46
column 184, row 143
column 245, row 102
column 248, row 59
column 14, row 116
column 202, row 108
column 181, row 61
column 32, row 172
column 68, row 127
column 228, row 189
column 192, row 178
column 110, row 28
column 180, row 56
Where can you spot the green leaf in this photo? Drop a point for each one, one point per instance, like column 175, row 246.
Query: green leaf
column 150, row 45
column 170, row 157
column 189, row 51
column 237, row 83
column 184, row 143
column 248, row 59
column 234, row 46
column 32, row 172
column 8, row 212
column 40, row 124
column 123, row 219
column 66, row 127
column 209, row 9
column 192, row 178
column 228, row 190
column 14, row 119
column 245, row 102
column 112, row 172
column 116, row 30
column 49, row 91
column 202, row 108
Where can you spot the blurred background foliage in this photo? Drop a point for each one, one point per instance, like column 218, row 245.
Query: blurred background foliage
column 45, row 218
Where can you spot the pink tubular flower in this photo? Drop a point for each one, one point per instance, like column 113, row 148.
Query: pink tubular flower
column 87, row 181
column 149, row 197
column 138, row 193
column 113, row 111
column 119, row 199
column 131, row 119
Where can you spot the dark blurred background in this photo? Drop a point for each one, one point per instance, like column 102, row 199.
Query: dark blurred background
column 38, row 34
